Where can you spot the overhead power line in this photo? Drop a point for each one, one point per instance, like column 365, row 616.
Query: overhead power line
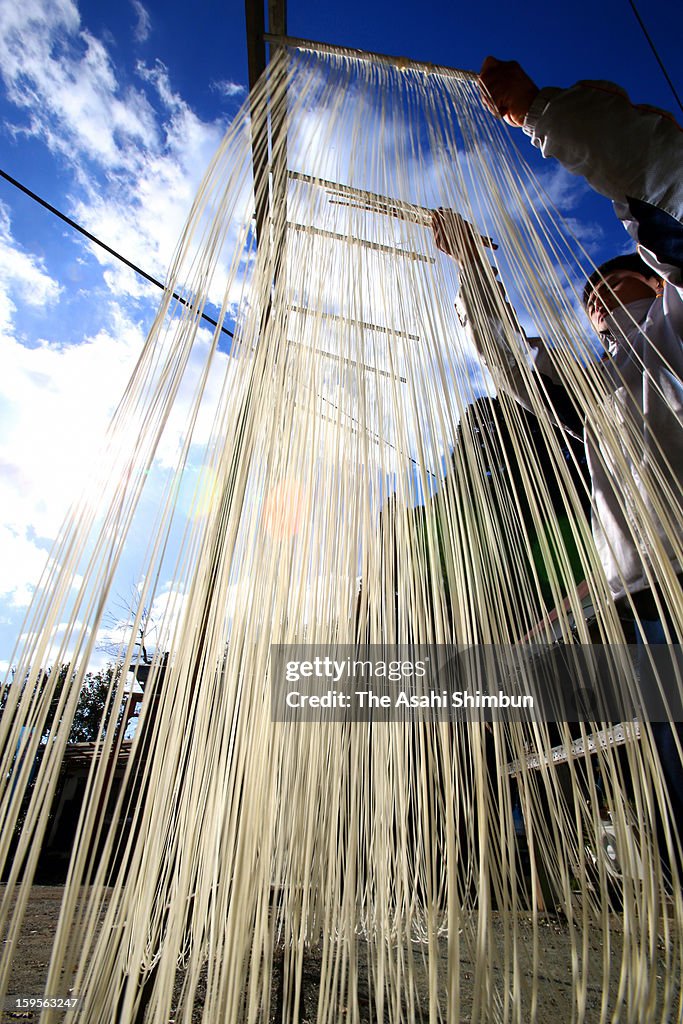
column 103, row 245
column 654, row 50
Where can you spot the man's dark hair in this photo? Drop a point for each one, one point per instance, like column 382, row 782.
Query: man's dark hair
column 629, row 261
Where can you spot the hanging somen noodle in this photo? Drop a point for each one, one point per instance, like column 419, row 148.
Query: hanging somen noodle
column 358, row 486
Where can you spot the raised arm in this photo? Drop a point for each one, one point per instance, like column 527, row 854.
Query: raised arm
column 494, row 328
column 631, row 154
column 488, row 317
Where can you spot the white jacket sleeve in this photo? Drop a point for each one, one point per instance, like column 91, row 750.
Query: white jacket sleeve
column 622, row 150
column 508, row 354
column 631, row 154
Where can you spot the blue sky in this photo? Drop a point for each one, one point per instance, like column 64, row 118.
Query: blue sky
column 112, row 111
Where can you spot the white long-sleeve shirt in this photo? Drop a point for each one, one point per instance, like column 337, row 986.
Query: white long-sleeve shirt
column 633, row 155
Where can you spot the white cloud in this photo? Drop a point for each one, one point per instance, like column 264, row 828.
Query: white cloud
column 226, row 88
column 23, row 412
column 143, row 215
column 138, row 152
column 65, row 80
column 56, row 402
column 21, row 563
column 143, row 27
column 22, row 276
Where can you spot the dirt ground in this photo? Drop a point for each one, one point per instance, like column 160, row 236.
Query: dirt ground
column 555, row 989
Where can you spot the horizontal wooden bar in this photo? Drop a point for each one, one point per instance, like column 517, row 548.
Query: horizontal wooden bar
column 344, row 359
column 353, row 323
column 403, row 63
column 373, row 202
column 365, row 243
column 349, row 192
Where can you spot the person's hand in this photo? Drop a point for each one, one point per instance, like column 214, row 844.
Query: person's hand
column 507, row 90
column 455, row 236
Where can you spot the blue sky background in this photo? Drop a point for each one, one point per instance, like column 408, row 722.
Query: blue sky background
column 112, row 112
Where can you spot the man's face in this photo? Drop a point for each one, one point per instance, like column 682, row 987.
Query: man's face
column 618, row 289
